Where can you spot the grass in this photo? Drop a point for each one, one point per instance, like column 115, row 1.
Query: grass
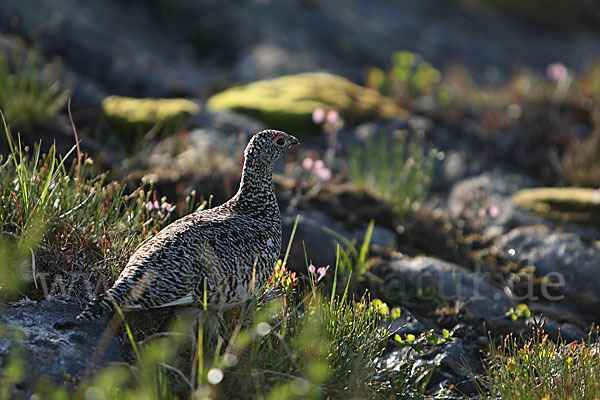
column 84, row 227
column 543, row 369
column 31, row 92
column 352, row 262
column 409, row 77
column 394, row 169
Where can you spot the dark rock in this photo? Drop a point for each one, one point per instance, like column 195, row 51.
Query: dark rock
column 443, row 32
column 139, row 61
column 567, row 261
column 559, row 318
column 564, row 330
column 485, row 203
column 473, row 198
column 320, row 245
column 452, row 363
column 54, row 343
column 407, row 323
column 449, row 282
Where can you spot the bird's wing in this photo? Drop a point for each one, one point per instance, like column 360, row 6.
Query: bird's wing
column 182, row 301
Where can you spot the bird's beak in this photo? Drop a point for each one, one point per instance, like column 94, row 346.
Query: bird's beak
column 294, row 140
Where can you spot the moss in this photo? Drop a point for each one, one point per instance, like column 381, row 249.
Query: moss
column 288, row 102
column 131, row 118
column 564, row 204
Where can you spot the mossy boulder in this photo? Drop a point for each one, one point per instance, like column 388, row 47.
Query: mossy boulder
column 288, row 102
column 131, row 118
column 564, row 204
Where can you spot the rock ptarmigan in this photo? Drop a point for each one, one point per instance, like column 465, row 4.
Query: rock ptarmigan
column 225, row 252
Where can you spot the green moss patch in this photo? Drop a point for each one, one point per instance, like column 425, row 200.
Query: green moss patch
column 288, row 102
column 133, row 117
column 565, row 204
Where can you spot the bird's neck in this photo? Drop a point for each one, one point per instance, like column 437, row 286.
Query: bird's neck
column 256, row 185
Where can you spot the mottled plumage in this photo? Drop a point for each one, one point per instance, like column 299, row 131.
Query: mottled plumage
column 229, row 250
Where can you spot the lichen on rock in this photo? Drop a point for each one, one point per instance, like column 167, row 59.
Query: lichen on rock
column 574, row 204
column 288, row 102
column 133, row 117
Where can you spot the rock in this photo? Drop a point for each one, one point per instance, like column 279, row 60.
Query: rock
column 133, row 118
column 452, row 364
column 288, row 102
column 267, row 60
column 272, row 37
column 567, row 261
column 321, row 245
column 207, row 157
column 555, row 329
column 448, row 282
column 407, row 323
column 140, row 61
column 564, row 204
column 474, row 198
column 54, row 343
column 486, row 203
column 226, row 122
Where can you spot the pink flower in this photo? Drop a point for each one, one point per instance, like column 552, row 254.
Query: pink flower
column 322, row 272
column 149, row 206
column 494, row 211
column 311, row 269
column 557, row 72
column 324, row 174
column 167, row 207
column 156, row 204
column 332, row 117
column 307, row 163
column 322, row 171
column 318, row 116
column 482, row 212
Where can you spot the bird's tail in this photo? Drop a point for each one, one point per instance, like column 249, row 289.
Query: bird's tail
column 102, row 305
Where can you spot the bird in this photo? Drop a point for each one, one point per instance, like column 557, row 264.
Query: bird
column 214, row 258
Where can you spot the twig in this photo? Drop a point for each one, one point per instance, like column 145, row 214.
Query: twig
column 33, row 268
column 160, row 335
column 180, row 374
column 77, row 207
column 76, row 140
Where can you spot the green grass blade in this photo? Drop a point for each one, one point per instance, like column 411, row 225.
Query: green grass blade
column 289, row 246
column 334, row 287
column 364, row 249
column 128, row 329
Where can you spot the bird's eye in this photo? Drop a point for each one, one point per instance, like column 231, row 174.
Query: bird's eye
column 280, row 141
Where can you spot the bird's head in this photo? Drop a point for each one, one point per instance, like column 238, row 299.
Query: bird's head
column 268, row 146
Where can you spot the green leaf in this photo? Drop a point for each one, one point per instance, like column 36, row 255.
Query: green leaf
column 395, row 313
